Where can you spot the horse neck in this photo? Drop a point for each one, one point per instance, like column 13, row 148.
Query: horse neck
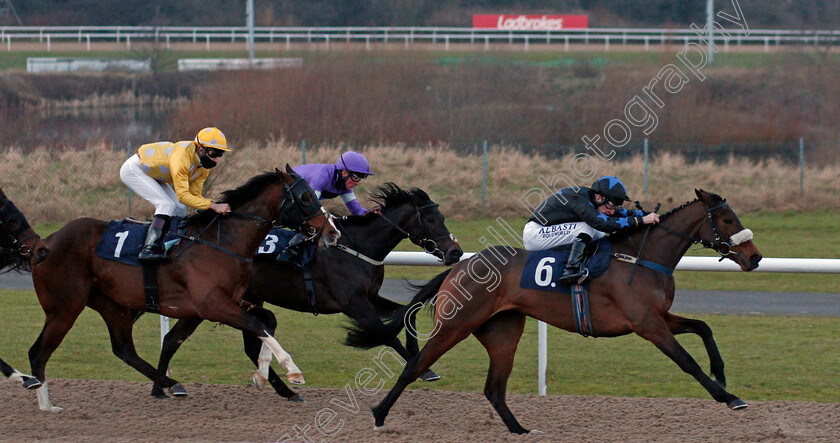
column 377, row 238
column 665, row 248
column 244, row 235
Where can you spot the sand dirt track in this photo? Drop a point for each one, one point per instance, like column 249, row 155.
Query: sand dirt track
column 99, row 411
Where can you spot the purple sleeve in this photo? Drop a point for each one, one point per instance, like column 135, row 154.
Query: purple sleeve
column 355, row 207
column 317, row 175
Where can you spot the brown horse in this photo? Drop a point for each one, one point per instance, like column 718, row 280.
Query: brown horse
column 482, row 296
column 346, row 278
column 205, row 279
column 20, row 248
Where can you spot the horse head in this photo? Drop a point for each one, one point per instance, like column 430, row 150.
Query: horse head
column 302, row 211
column 17, row 239
column 421, row 221
column 725, row 233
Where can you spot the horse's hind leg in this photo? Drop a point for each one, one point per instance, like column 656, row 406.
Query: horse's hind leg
column 179, row 333
column 443, row 341
column 682, row 325
column 120, row 328
column 15, row 375
column 500, row 336
column 658, row 333
column 253, row 346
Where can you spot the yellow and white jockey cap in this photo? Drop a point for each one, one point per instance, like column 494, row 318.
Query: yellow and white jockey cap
column 212, row 137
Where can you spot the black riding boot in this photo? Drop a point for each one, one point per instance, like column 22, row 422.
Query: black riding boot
column 575, row 272
column 153, row 249
column 292, row 252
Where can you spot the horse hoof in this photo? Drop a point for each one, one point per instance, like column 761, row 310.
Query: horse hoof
column 31, row 383
column 535, row 432
column 430, row 375
column 737, row 404
column 297, row 399
column 296, row 378
column 258, row 380
column 178, row 390
column 378, row 428
column 53, row 409
column 159, row 394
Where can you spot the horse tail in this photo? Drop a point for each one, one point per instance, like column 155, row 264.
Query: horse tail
column 371, row 337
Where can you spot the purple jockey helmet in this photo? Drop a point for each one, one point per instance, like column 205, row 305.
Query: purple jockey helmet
column 353, row 161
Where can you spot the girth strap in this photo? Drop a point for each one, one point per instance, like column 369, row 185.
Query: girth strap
column 150, row 287
column 212, row 245
column 580, row 308
column 646, row 263
column 359, row 255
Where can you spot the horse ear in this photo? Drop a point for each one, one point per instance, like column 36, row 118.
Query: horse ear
column 289, row 169
column 699, row 193
column 278, row 172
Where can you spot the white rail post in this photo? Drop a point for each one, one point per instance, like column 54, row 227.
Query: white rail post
column 207, row 38
column 542, row 355
column 88, row 42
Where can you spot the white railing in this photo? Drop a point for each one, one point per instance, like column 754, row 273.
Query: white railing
column 166, row 35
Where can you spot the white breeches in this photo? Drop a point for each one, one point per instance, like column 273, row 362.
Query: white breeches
column 161, row 195
column 538, row 237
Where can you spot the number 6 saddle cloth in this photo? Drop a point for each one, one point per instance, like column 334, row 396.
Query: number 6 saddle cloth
column 543, row 268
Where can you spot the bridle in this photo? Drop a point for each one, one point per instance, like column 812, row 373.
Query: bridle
column 18, row 247
column 427, row 242
column 724, row 248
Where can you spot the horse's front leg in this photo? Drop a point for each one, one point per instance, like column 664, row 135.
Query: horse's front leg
column 682, row 325
column 657, row 332
column 254, row 346
column 219, row 308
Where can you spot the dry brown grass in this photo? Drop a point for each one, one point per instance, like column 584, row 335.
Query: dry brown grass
column 59, row 186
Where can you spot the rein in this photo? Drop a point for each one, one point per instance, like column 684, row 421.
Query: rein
column 723, row 248
column 428, row 244
column 197, row 238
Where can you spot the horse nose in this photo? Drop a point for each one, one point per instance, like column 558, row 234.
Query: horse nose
column 755, row 259
column 41, row 253
column 454, row 255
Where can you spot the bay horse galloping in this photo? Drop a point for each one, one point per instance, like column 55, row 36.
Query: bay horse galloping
column 20, row 248
column 346, row 278
column 494, row 310
column 205, row 279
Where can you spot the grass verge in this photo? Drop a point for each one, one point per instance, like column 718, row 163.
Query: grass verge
column 768, row 358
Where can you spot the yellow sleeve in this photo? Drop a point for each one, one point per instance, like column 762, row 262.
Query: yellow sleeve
column 188, row 192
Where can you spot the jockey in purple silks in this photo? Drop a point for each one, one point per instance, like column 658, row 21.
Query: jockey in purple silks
column 330, row 181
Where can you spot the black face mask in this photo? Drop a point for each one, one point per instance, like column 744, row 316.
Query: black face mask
column 206, row 162
column 340, row 182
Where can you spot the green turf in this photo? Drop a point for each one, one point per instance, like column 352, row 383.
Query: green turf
column 767, row 358
column 656, row 58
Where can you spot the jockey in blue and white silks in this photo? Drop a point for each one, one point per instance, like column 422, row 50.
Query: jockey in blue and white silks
column 578, row 217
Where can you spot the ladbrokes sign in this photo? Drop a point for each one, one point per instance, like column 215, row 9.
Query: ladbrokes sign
column 531, row 22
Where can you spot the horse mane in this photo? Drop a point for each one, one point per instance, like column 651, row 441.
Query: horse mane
column 390, row 194
column 624, row 233
column 387, row 196
column 241, row 195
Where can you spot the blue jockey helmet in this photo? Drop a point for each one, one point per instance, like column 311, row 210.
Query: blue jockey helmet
column 353, row 161
column 611, row 188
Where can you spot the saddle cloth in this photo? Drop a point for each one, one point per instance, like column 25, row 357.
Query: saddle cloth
column 276, row 240
column 123, row 240
column 543, row 268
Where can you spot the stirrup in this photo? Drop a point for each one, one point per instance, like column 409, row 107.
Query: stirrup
column 576, row 278
column 150, row 255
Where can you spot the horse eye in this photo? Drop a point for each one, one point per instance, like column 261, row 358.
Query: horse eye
column 728, row 221
column 13, row 223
